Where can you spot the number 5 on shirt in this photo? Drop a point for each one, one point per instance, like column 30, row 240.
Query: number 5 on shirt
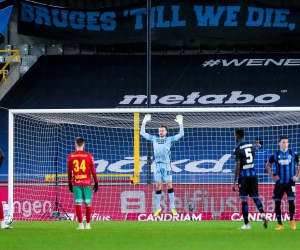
column 249, row 157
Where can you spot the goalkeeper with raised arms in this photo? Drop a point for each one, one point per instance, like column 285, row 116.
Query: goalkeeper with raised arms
column 162, row 154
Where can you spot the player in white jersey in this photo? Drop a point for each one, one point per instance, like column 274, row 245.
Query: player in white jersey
column 162, row 154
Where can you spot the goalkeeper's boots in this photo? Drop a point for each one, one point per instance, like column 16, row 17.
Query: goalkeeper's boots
column 292, row 224
column 6, row 227
column 279, row 227
column 157, row 211
column 174, row 212
column 245, row 227
column 264, row 221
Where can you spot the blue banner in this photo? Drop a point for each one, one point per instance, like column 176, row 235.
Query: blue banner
column 206, row 21
column 5, row 12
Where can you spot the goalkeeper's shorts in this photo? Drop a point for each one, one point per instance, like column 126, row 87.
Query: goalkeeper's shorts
column 82, row 193
column 163, row 171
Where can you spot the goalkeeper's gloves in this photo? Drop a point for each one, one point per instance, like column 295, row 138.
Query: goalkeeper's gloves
column 95, row 188
column 179, row 119
column 147, row 118
column 71, row 187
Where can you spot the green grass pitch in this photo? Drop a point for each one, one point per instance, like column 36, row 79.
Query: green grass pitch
column 147, row 235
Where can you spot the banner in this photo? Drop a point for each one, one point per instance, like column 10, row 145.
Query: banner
column 206, row 21
column 137, row 202
column 5, row 12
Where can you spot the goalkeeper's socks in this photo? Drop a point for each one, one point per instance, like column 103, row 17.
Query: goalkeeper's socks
column 171, row 196
column 79, row 213
column 157, row 198
column 88, row 213
column 245, row 212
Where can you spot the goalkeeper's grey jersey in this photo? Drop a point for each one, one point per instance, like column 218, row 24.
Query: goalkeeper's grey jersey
column 162, row 145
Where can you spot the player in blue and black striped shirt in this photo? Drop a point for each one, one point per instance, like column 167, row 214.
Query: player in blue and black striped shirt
column 285, row 161
column 244, row 155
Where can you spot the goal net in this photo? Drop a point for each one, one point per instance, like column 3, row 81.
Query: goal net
column 202, row 162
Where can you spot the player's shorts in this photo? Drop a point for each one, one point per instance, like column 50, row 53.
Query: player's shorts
column 163, row 171
column 82, row 193
column 280, row 189
column 248, row 186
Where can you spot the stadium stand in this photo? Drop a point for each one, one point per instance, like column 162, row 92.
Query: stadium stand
column 54, row 49
column 71, row 49
column 23, row 48
column 5, row 47
column 29, row 60
column 37, row 49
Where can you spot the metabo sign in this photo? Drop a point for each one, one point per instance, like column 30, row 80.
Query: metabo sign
column 235, row 98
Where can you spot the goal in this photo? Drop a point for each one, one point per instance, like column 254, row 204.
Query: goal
column 202, row 162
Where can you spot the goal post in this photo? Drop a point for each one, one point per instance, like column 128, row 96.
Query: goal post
column 201, row 161
column 10, row 162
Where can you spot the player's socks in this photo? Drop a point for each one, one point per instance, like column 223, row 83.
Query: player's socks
column 157, row 199
column 292, row 212
column 264, row 220
column 261, row 210
column 88, row 212
column 245, row 212
column 291, row 209
column 79, row 213
column 259, row 205
column 278, row 212
column 171, row 197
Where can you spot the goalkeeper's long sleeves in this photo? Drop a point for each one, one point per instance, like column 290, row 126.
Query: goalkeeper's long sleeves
column 144, row 134
column 181, row 133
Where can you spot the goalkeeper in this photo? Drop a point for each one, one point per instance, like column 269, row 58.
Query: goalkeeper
column 162, row 154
